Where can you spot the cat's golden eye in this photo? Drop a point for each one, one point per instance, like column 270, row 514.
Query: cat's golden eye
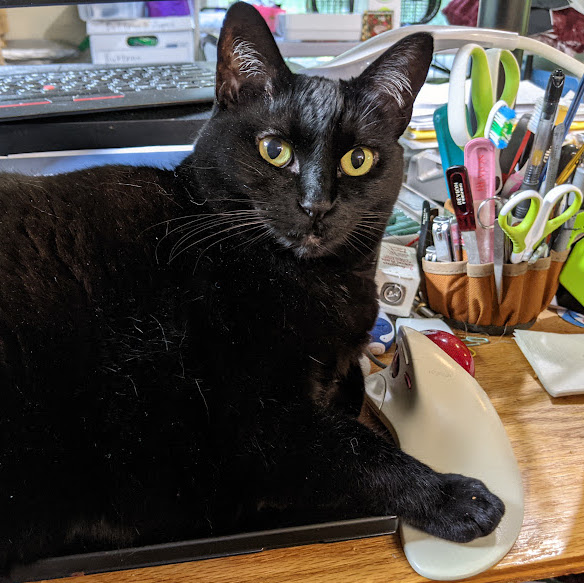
column 275, row 150
column 357, row 161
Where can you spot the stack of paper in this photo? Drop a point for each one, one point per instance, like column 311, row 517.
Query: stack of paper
column 432, row 96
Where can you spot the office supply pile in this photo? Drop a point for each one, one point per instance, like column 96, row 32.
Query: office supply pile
column 515, row 194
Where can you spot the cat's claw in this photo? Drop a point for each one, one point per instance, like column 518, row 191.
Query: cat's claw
column 466, row 510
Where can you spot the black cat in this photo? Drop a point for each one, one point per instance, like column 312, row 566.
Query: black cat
column 179, row 350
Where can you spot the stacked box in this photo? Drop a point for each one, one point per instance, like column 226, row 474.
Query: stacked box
column 142, row 40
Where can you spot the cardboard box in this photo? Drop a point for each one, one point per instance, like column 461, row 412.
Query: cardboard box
column 154, row 47
column 320, row 27
column 3, row 22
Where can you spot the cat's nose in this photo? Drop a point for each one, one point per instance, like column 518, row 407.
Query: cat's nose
column 316, row 208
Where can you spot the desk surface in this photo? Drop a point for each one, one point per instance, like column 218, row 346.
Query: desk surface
column 547, row 435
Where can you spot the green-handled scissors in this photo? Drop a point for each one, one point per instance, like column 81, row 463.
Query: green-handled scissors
column 537, row 224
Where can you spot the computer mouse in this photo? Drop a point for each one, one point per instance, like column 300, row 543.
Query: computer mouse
column 440, row 414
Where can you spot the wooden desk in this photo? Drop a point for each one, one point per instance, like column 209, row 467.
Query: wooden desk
column 547, row 435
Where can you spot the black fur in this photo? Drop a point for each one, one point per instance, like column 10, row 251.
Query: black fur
column 179, row 350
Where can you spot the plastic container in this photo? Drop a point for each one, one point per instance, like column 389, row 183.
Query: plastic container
column 168, row 8
column 111, row 11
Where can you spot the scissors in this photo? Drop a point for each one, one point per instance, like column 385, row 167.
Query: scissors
column 537, row 224
column 484, row 90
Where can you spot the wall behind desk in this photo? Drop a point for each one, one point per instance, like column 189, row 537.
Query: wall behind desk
column 58, row 23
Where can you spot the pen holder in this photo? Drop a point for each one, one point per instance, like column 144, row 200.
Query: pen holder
column 466, row 294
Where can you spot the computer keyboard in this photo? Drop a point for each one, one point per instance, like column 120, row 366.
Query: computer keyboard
column 47, row 90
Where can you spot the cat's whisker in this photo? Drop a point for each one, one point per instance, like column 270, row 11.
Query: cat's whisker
column 353, row 245
column 220, row 241
column 216, row 223
column 370, row 228
column 265, row 234
column 213, row 220
column 193, row 230
column 375, row 215
column 222, row 216
column 255, row 224
column 372, row 224
column 364, row 239
column 373, row 230
column 202, row 215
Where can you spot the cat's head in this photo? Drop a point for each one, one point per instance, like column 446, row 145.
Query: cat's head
column 311, row 163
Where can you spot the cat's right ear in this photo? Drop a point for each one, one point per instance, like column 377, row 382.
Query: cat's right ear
column 248, row 59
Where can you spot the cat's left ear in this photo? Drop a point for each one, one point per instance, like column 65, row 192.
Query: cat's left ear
column 248, row 59
column 394, row 79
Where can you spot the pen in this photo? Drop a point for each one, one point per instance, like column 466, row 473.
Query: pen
column 455, row 237
column 427, row 218
column 461, row 198
column 553, row 160
column 425, row 241
column 573, row 109
column 567, row 171
column 542, row 138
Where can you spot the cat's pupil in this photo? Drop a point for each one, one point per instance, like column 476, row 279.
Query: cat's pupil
column 274, row 148
column 357, row 158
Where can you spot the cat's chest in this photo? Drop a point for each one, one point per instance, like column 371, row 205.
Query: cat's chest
column 274, row 293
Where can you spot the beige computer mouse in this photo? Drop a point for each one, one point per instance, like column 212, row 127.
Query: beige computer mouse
column 443, row 417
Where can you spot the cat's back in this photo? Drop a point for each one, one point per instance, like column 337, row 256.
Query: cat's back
column 73, row 236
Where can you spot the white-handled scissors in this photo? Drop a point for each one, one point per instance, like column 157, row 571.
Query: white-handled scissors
column 537, row 224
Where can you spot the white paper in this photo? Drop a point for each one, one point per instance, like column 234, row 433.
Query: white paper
column 557, row 359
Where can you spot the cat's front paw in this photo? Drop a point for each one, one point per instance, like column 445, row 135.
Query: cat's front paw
column 466, row 510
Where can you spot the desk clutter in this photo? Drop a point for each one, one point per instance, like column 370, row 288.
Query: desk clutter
column 492, row 260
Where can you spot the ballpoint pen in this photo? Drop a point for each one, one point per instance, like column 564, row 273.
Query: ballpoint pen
column 570, row 166
column 542, row 138
column 553, row 162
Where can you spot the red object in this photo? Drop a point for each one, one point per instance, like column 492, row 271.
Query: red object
column 461, row 197
column 26, row 104
column 98, row 97
column 454, row 347
column 270, row 15
column 462, row 12
column 518, row 154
